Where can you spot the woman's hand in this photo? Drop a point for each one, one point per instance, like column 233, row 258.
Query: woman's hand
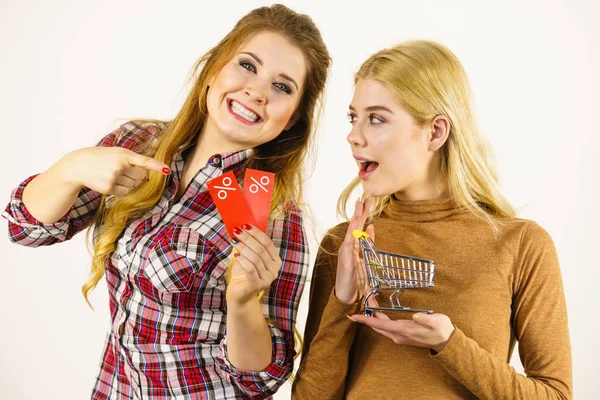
column 350, row 278
column 256, row 266
column 109, row 170
column 424, row 330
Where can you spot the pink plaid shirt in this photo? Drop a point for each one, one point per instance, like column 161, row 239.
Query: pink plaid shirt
column 166, row 283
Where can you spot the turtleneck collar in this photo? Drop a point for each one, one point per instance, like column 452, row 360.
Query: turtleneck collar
column 421, row 210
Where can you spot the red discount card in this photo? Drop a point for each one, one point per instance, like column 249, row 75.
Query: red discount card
column 230, row 202
column 258, row 190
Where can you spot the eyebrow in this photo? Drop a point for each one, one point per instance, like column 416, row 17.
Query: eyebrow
column 374, row 108
column 260, row 62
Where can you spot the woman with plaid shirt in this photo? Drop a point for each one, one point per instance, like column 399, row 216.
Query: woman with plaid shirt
column 179, row 328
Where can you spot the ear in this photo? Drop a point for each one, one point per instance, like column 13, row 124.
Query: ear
column 295, row 117
column 440, row 129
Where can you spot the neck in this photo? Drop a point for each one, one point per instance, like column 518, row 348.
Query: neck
column 209, row 143
column 431, row 187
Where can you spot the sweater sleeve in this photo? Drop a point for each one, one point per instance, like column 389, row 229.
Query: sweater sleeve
column 539, row 321
column 328, row 335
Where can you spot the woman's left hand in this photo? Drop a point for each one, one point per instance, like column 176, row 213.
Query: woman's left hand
column 257, row 264
column 424, row 330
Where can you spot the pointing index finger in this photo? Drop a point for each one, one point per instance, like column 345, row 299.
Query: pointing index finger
column 148, row 163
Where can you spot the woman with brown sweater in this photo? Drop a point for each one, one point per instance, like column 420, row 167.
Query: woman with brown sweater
column 431, row 193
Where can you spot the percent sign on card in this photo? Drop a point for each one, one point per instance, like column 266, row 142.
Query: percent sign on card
column 258, row 190
column 262, row 185
column 222, row 194
column 230, row 202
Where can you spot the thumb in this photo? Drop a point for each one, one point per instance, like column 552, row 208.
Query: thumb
column 427, row 320
column 148, row 163
column 371, row 231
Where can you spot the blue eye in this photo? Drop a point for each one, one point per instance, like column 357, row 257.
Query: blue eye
column 283, row 87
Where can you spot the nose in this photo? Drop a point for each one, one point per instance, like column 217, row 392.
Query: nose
column 356, row 138
column 256, row 91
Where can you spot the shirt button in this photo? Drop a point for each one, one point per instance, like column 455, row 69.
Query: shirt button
column 216, row 161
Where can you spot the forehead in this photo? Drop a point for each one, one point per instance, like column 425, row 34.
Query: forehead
column 278, row 54
column 369, row 92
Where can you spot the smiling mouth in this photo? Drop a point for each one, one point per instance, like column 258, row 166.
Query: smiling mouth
column 242, row 113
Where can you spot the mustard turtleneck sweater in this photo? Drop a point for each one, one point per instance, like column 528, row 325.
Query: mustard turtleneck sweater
column 499, row 288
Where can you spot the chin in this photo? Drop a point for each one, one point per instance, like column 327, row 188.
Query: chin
column 374, row 190
column 237, row 136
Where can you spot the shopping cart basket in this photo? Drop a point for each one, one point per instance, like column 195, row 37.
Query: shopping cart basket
column 389, row 271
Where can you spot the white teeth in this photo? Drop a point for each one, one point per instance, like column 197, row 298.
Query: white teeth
column 240, row 110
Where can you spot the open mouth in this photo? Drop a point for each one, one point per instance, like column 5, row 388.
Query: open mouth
column 242, row 113
column 366, row 168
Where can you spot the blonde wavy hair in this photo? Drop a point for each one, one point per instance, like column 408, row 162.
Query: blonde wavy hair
column 284, row 155
column 428, row 80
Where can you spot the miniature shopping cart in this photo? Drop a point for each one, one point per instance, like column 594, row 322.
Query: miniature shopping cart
column 389, row 271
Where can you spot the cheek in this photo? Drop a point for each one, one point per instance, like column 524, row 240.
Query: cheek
column 213, row 92
column 228, row 80
column 281, row 112
column 401, row 160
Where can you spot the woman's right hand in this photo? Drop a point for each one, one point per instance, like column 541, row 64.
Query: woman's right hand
column 350, row 277
column 109, row 170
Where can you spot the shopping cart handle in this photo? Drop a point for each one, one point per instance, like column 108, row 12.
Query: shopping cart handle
column 360, row 234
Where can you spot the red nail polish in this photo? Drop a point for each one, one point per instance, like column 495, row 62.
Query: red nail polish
column 237, row 231
column 236, row 254
column 247, row 227
column 166, row 171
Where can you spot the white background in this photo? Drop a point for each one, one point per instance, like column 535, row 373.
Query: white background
column 70, row 69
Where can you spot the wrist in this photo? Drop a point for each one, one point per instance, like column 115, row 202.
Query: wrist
column 240, row 305
column 66, row 171
column 344, row 298
column 440, row 346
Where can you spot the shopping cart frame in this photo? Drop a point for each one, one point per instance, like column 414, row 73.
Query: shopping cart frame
column 405, row 272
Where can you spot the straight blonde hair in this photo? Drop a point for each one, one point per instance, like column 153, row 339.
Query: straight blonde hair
column 428, row 80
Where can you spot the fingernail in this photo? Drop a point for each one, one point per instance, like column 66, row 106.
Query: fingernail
column 166, row 171
column 237, row 231
column 234, row 241
column 417, row 317
column 350, row 318
column 236, row 254
column 247, row 227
